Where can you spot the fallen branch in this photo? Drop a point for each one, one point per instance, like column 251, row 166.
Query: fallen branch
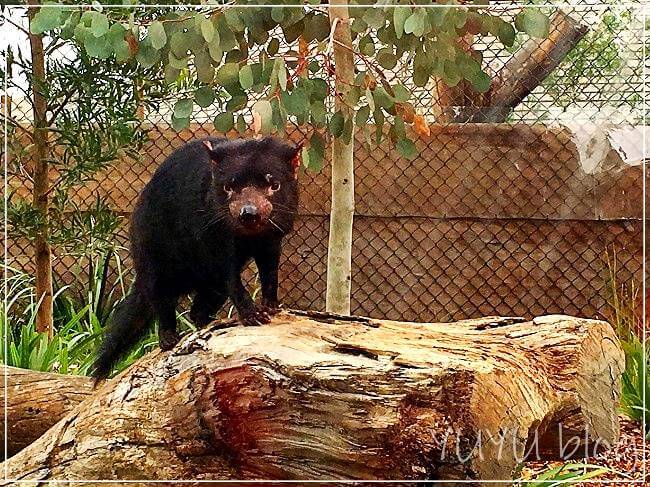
column 36, row 401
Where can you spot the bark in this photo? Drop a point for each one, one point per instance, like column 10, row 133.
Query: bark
column 40, row 174
column 321, row 396
column 524, row 71
column 339, row 255
column 36, row 401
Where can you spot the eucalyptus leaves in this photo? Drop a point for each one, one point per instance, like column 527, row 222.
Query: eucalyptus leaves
column 280, row 56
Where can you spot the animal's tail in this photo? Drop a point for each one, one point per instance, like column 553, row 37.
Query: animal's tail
column 129, row 323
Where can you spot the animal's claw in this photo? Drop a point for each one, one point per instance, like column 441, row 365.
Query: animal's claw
column 256, row 317
column 272, row 308
column 168, row 339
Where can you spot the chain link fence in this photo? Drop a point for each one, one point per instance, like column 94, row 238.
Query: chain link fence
column 513, row 218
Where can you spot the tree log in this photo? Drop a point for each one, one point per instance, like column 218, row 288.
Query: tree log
column 36, row 401
column 530, row 65
column 320, row 396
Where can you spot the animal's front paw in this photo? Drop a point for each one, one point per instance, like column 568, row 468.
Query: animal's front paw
column 254, row 317
column 167, row 339
column 271, row 307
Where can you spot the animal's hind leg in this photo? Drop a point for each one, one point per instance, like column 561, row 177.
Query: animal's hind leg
column 205, row 304
column 165, row 309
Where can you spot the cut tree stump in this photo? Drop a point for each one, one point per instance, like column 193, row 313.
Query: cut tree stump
column 36, row 401
column 316, row 396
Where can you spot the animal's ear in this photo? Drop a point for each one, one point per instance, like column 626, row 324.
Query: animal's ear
column 296, row 159
column 212, row 152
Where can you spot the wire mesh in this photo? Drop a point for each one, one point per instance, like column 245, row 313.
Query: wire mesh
column 514, row 218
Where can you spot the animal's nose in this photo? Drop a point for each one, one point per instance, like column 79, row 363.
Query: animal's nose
column 249, row 214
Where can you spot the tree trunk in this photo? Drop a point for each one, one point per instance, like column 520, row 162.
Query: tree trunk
column 524, row 71
column 339, row 250
column 321, row 396
column 42, row 251
column 36, row 401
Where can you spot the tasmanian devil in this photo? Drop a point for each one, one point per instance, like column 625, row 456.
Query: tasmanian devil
column 212, row 206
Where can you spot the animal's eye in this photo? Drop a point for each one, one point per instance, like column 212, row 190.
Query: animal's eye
column 275, row 185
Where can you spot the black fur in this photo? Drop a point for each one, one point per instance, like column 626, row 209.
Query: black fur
column 185, row 239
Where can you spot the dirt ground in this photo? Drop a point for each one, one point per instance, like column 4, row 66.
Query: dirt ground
column 625, row 460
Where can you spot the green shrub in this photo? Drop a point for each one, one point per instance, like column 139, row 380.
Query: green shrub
column 79, row 316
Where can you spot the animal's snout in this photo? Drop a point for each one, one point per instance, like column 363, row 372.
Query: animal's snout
column 249, row 215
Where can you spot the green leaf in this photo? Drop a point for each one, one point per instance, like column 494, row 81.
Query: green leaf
column 178, row 63
column 506, row 34
column 382, row 98
column 204, row 68
column 224, row 122
column 122, row 51
column 47, row 18
column 265, row 111
column 366, row 45
column 407, row 148
column 401, row 93
column 481, row 82
column 156, row 35
column 214, row 48
column 319, row 89
column 315, row 154
column 237, row 102
column 532, row 22
column 183, row 108
column 362, row 115
column 179, row 44
column 378, row 117
column 207, row 30
column 233, row 19
column 400, row 14
column 370, row 99
column 246, row 77
column 292, row 32
column 228, row 74
column 358, row 26
column 437, row 15
column 336, row 125
column 180, row 123
column 98, row 47
column 171, row 73
column 451, row 74
column 273, row 47
column 374, row 17
column 281, row 72
column 204, row 96
column 277, row 14
column 351, row 98
column 241, row 125
column 317, row 27
column 318, row 112
column 422, row 69
column 386, row 58
column 295, row 102
column 99, row 25
column 147, row 56
column 227, row 39
column 67, row 31
column 415, row 23
column 397, row 130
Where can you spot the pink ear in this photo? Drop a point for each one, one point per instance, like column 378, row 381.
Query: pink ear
column 211, row 152
column 296, row 160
